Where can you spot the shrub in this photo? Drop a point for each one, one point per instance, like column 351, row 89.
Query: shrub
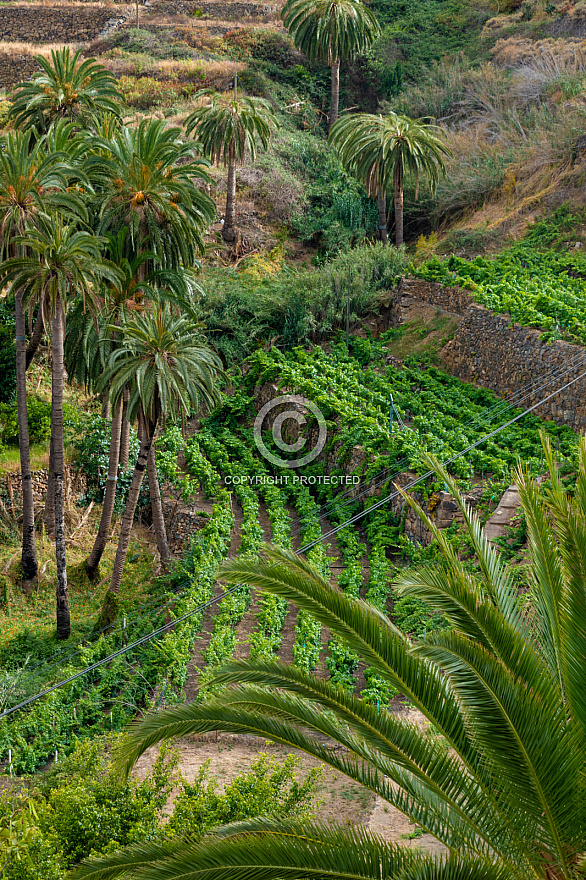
column 82, row 806
column 91, row 454
column 39, row 421
column 7, row 351
column 268, row 789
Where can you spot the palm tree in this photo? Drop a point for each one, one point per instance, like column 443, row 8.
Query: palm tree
column 499, row 778
column 146, row 181
column 65, row 88
column 88, row 346
column 380, row 150
column 31, row 178
column 168, row 371
column 58, row 262
column 329, row 32
column 227, row 130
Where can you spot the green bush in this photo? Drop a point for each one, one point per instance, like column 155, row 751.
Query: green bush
column 268, row 789
column 7, row 351
column 241, row 311
column 39, row 421
column 92, row 453
column 82, row 806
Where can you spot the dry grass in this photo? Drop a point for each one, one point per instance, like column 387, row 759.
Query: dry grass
column 12, row 50
column 127, row 64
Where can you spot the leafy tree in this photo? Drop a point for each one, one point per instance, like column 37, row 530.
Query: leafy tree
column 58, row 262
column 380, row 150
column 499, row 778
column 331, row 31
column 32, row 178
column 169, row 371
column 64, row 88
column 227, row 131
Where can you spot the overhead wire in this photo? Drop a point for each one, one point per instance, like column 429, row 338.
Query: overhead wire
column 166, row 627
column 382, row 478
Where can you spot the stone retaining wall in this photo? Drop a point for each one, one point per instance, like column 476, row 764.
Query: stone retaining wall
column 16, row 68
column 452, row 299
column 11, row 485
column 490, row 350
column 220, row 11
column 52, row 24
column 182, row 523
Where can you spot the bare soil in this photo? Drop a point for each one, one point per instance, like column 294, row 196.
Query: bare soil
column 340, row 800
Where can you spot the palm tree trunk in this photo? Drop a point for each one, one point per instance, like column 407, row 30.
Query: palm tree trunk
column 335, row 95
column 125, row 430
column 57, row 374
column 36, row 337
column 229, row 230
column 109, row 497
column 131, row 502
column 29, row 551
column 157, row 508
column 106, row 407
column 398, row 185
column 382, row 215
column 49, row 512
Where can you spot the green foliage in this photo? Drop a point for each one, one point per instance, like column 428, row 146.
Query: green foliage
column 269, row 788
column 39, row 420
column 82, row 806
column 295, row 307
column 337, row 31
column 7, row 351
column 227, row 130
column 91, row 451
column 169, row 445
column 502, row 688
column 376, row 148
column 443, row 414
column 109, row 697
column 65, row 87
column 537, row 289
column 417, row 34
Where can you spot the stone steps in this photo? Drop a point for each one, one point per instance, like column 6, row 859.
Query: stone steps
column 501, row 519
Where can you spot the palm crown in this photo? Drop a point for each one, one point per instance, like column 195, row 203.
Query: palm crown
column 146, row 177
column 501, row 784
column 331, row 31
column 226, row 130
column 381, row 150
column 65, row 88
column 168, row 369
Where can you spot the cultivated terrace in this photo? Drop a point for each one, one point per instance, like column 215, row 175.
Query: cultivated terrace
column 292, row 467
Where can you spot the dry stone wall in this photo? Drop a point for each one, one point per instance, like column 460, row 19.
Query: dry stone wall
column 55, row 24
column 217, row 10
column 11, row 485
column 15, row 68
column 492, row 351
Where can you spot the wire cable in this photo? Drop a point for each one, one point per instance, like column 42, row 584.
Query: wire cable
column 303, row 549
